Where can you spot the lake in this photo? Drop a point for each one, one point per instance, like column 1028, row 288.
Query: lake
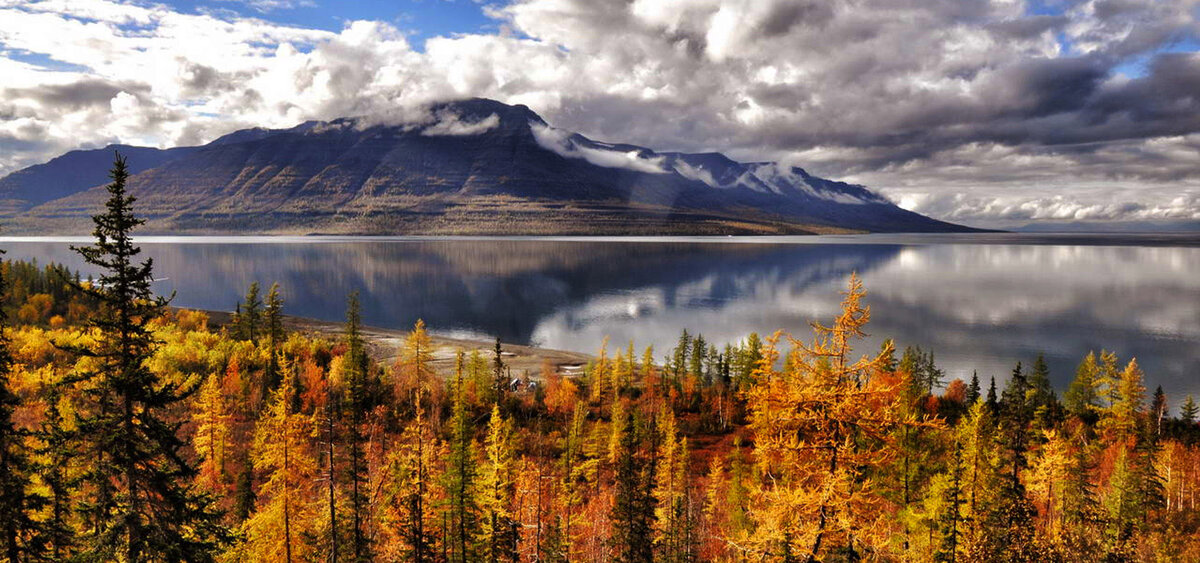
column 980, row 301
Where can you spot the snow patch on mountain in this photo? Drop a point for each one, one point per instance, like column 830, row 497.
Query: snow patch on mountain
column 561, row 142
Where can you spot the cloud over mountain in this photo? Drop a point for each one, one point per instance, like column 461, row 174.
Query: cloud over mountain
column 968, row 109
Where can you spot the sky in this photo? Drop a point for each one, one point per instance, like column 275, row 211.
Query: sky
column 992, row 113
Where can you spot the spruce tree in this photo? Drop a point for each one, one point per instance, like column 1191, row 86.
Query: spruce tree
column 274, row 316
column 355, row 375
column 1189, row 410
column 251, row 315
column 973, row 391
column 140, row 503
column 20, row 533
column 632, row 515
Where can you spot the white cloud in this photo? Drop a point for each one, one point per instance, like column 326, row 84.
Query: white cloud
column 451, row 124
column 560, row 142
column 922, row 99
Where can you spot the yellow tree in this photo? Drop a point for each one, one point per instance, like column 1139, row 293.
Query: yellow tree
column 670, row 492
column 498, row 529
column 283, row 451
column 212, row 434
column 1044, row 480
column 817, row 424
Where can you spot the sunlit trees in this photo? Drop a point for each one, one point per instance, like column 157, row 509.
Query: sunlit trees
column 213, row 435
column 140, row 502
column 21, row 537
column 817, row 425
column 284, row 454
column 498, row 529
column 459, row 479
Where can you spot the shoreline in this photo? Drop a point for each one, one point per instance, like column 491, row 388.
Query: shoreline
column 384, row 345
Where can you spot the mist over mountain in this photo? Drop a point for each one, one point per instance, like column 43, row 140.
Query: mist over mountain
column 469, row 167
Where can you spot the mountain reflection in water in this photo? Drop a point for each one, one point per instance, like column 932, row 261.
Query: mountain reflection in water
column 977, row 306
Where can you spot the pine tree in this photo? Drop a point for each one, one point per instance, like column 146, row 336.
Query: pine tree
column 21, row 537
column 141, row 504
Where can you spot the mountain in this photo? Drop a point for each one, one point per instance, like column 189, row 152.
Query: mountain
column 469, row 167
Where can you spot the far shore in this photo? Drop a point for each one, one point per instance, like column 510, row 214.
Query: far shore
column 384, row 346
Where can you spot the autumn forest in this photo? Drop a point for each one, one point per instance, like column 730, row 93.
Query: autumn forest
column 134, row 431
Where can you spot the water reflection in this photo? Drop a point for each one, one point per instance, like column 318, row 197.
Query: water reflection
column 978, row 306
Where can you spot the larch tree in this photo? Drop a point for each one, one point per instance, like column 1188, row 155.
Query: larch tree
column 817, row 424
column 459, row 479
column 283, row 452
column 213, row 435
column 498, row 529
column 141, row 503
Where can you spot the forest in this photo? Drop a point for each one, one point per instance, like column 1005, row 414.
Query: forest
column 133, row 431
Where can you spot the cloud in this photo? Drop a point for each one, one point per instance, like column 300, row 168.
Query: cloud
column 563, row 143
column 917, row 98
column 451, row 124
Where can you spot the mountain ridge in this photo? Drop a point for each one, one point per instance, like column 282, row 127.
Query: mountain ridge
column 468, row 167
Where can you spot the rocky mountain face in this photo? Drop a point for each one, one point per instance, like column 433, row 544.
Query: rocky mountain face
column 468, row 167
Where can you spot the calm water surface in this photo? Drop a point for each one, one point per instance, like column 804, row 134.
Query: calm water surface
column 979, row 301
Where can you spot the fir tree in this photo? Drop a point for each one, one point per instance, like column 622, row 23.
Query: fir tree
column 141, row 504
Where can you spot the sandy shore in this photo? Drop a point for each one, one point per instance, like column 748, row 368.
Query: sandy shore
column 384, row 346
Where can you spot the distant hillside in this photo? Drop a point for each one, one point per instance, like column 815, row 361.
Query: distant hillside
column 470, row 167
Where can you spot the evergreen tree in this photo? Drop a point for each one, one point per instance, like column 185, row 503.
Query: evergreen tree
column 1189, row 410
column 250, row 316
column 973, row 390
column 993, row 404
column 1158, row 410
column 632, row 514
column 274, row 316
column 1015, row 418
column 355, row 376
column 141, row 503
column 57, row 453
column 21, row 537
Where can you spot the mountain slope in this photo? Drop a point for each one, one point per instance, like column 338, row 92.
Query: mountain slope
column 474, row 166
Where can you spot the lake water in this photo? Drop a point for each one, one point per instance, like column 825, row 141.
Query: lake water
column 980, row 301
